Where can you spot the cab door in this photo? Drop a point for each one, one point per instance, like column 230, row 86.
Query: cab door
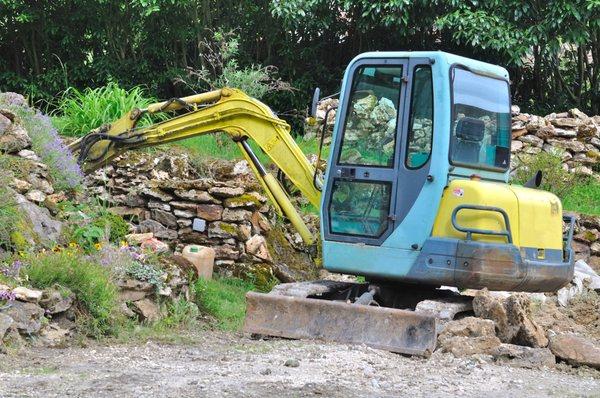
column 360, row 195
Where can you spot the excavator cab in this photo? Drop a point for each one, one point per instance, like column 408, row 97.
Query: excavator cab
column 416, row 190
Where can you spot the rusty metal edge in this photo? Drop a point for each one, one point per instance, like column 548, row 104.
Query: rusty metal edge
column 411, row 318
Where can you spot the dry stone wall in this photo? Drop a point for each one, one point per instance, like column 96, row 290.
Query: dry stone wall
column 223, row 209
column 572, row 135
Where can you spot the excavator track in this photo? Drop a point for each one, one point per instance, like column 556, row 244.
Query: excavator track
column 337, row 311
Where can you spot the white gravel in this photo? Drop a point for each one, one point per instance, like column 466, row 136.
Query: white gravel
column 228, row 365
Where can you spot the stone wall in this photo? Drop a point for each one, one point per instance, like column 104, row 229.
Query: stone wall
column 572, row 135
column 224, row 209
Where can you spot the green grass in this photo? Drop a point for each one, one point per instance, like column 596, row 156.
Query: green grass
column 96, row 293
column 223, row 299
column 220, row 146
column 78, row 112
column 583, row 198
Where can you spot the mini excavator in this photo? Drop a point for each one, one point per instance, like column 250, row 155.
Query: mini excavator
column 415, row 196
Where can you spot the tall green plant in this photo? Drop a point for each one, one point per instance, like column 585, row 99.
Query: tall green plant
column 79, row 112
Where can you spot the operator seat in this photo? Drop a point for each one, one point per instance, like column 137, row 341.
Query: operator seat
column 469, row 135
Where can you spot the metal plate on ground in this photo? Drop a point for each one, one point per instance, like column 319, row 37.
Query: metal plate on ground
column 388, row 329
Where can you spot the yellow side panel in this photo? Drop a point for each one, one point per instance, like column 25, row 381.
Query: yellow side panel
column 481, row 193
column 540, row 218
column 535, row 216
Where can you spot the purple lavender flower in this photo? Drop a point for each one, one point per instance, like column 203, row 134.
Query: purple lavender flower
column 47, row 144
column 7, row 296
column 12, row 271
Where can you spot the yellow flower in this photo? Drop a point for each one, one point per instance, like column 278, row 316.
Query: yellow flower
column 124, row 243
column 72, row 244
column 98, row 246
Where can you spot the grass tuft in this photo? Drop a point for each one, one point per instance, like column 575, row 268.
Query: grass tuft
column 96, row 293
column 224, row 299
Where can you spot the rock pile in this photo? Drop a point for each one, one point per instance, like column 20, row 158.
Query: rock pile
column 513, row 328
column 572, row 135
column 224, row 209
column 49, row 315
column 29, row 179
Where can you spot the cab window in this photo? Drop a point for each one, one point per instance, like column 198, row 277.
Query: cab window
column 420, row 131
column 481, row 124
column 370, row 122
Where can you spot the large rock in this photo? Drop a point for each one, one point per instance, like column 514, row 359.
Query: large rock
column 57, row 299
column 44, row 229
column 27, row 317
column 468, row 336
column 527, row 331
column 525, row 357
column 147, row 309
column 5, row 323
column 159, row 230
column 222, row 230
column 25, row 294
column 576, row 350
column 209, row 212
column 13, row 137
column 512, row 317
column 257, row 246
column 195, row 196
column 165, row 218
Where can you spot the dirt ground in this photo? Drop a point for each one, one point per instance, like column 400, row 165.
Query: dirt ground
column 231, row 365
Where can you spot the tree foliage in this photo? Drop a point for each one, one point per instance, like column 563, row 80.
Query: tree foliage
column 551, row 47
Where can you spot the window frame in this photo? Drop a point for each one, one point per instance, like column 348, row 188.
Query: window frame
column 345, row 119
column 453, row 107
column 410, row 118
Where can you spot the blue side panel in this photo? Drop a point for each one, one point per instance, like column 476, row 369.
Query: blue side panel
column 356, row 259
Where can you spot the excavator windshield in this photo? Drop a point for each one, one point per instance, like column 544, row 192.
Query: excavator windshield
column 481, row 121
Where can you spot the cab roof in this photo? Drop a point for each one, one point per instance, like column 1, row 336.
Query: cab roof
column 441, row 58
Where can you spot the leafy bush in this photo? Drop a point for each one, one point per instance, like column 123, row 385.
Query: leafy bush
column 146, row 273
column 224, row 299
column 577, row 192
column 79, row 112
column 583, row 197
column 92, row 224
column 555, row 179
column 64, row 170
column 96, row 293
column 221, row 53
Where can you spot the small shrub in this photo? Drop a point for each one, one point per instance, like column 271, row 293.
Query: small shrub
column 180, row 313
column 583, row 197
column 96, row 293
column 224, row 299
column 221, row 52
column 146, row 273
column 91, row 224
column 79, row 112
column 555, row 179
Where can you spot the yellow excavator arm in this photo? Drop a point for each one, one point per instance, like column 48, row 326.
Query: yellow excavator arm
column 226, row 110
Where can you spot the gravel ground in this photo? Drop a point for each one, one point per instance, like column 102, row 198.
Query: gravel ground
column 230, row 365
